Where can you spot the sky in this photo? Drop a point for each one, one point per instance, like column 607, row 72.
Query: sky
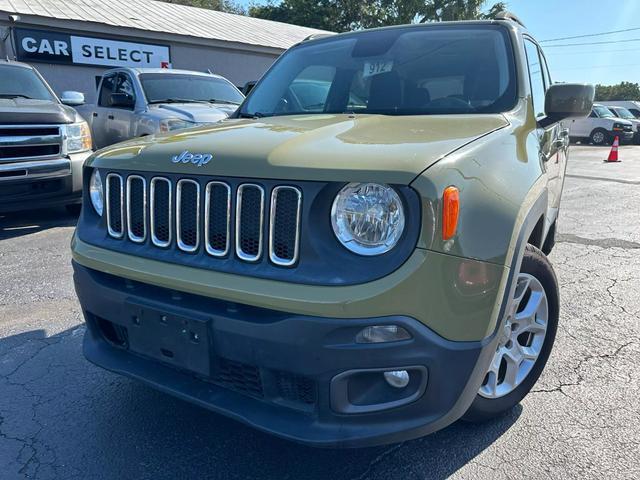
column 605, row 63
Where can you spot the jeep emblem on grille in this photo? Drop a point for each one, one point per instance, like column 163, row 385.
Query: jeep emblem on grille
column 198, row 159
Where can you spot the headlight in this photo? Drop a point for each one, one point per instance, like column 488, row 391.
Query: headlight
column 95, row 192
column 367, row 218
column 77, row 138
column 170, row 124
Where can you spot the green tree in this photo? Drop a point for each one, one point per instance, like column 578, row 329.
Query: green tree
column 344, row 15
column 621, row 91
column 228, row 6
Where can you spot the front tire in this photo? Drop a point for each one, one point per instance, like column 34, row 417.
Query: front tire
column 526, row 337
column 599, row 137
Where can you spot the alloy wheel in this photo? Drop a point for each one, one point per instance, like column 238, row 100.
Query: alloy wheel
column 520, row 339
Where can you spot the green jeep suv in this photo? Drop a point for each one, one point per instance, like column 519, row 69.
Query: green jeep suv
column 357, row 256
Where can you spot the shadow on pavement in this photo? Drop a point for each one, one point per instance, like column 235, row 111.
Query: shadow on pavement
column 17, row 224
column 89, row 423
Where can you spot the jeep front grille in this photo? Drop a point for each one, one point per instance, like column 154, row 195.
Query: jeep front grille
column 208, row 218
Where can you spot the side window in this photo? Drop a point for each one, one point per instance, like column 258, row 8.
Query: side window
column 536, row 77
column 124, row 84
column 593, row 114
column 106, row 90
column 635, row 112
column 545, row 71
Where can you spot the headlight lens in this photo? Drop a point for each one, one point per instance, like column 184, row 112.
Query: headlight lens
column 170, row 124
column 95, row 192
column 77, row 138
column 368, row 218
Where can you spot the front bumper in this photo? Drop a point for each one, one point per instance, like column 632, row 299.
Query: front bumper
column 282, row 373
column 41, row 183
column 625, row 136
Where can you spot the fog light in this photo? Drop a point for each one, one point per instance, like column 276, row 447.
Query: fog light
column 382, row 334
column 397, row 378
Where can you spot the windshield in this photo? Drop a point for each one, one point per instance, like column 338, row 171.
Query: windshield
column 162, row 87
column 603, row 112
column 624, row 113
column 397, row 71
column 20, row 82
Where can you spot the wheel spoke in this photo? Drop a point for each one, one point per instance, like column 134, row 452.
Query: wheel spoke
column 521, row 289
column 511, row 375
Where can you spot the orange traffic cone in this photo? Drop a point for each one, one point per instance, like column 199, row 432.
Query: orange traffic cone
column 613, row 155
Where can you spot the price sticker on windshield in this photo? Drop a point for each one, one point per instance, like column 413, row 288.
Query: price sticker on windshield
column 376, row 68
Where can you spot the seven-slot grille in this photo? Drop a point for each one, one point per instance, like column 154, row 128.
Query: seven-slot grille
column 204, row 218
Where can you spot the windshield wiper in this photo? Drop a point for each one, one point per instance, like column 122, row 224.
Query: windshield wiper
column 177, row 100
column 14, row 95
column 251, row 115
column 227, row 102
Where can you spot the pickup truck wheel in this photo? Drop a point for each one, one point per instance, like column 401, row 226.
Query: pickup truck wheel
column 599, row 137
column 525, row 339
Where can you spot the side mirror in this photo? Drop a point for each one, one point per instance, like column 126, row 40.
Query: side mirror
column 122, row 100
column 73, row 99
column 566, row 100
column 248, row 87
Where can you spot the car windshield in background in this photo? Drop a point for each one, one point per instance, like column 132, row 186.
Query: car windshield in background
column 20, row 82
column 603, row 112
column 397, row 71
column 165, row 87
column 624, row 113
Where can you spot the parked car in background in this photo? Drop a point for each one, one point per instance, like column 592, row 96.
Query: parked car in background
column 622, row 112
column 601, row 127
column 135, row 102
column 43, row 143
column 631, row 105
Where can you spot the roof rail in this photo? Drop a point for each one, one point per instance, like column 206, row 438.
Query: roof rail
column 315, row 36
column 504, row 15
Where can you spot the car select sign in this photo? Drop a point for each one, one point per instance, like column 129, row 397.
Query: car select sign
column 44, row 46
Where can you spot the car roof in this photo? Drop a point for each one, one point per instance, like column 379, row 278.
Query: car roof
column 166, row 71
column 12, row 63
column 509, row 21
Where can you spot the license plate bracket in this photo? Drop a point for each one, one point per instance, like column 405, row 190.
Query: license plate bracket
column 172, row 338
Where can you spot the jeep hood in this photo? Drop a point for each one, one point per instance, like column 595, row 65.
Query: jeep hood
column 389, row 149
column 19, row 111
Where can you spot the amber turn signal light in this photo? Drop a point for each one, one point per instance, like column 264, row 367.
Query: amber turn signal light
column 450, row 212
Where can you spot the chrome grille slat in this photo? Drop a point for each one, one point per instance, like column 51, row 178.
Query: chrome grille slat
column 249, row 222
column 137, row 213
column 188, row 240
column 160, row 211
column 284, row 225
column 216, row 221
column 115, row 220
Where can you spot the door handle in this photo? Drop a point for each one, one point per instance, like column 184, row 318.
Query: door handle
column 110, row 117
column 95, row 114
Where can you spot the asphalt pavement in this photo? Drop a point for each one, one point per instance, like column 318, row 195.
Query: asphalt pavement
column 61, row 417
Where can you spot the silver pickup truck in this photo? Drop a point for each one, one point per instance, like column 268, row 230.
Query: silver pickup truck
column 135, row 102
column 43, row 142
